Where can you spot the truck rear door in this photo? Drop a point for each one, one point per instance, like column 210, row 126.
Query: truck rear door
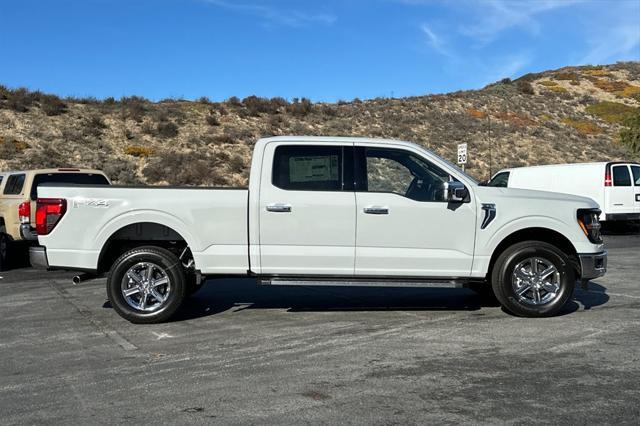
column 307, row 210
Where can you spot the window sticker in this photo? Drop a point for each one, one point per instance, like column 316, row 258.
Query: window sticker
column 313, row 168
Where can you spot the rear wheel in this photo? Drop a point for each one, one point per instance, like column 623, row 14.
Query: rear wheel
column 533, row 279
column 147, row 285
column 4, row 251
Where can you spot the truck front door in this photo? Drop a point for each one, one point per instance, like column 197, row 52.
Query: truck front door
column 307, row 210
column 405, row 227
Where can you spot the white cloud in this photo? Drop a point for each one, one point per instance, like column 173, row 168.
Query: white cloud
column 497, row 16
column 275, row 16
column 436, row 42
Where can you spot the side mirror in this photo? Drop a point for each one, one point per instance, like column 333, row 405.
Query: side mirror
column 455, row 192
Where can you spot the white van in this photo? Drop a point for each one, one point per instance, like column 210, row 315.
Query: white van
column 615, row 186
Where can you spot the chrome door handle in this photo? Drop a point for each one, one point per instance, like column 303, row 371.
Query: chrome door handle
column 279, row 208
column 376, row 210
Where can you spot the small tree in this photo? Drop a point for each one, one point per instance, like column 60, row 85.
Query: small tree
column 630, row 136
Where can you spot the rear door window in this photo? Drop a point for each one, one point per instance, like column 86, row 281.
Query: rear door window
column 621, row 176
column 73, row 178
column 308, row 168
column 636, row 175
column 14, row 184
column 501, row 180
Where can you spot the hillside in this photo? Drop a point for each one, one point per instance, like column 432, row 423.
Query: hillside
column 573, row 114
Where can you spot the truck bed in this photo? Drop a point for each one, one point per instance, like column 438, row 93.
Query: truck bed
column 213, row 222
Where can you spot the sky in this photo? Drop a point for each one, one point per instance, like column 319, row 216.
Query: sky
column 323, row 50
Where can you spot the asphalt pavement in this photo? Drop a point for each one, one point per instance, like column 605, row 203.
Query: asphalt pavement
column 239, row 353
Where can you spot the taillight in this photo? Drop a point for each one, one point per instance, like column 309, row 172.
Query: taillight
column 49, row 211
column 24, row 212
column 607, row 176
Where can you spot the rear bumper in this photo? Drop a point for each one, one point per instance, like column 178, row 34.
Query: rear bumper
column 593, row 265
column 622, row 216
column 28, row 233
column 38, row 257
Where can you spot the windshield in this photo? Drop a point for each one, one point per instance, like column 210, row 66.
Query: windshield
column 75, row 178
column 450, row 164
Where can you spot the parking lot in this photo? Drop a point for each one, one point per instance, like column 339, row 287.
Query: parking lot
column 240, row 353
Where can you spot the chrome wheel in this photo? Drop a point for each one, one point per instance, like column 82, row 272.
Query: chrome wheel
column 536, row 281
column 146, row 287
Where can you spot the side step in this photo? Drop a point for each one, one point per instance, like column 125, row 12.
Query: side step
column 351, row 282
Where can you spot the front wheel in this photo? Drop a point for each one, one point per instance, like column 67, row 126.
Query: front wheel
column 147, row 285
column 533, row 279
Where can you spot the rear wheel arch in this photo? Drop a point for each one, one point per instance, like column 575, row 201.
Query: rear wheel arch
column 143, row 234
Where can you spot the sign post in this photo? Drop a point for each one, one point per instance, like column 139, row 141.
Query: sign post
column 462, row 154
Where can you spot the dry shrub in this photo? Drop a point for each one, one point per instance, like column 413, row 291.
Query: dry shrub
column 548, row 83
column 611, row 86
column 52, row 105
column 558, row 89
column 525, row 87
column 186, row 168
column 611, row 112
column 138, row 151
column 585, row 127
column 597, row 72
column 10, row 147
column 476, row 113
column 516, row 119
column 566, row 76
column 167, row 129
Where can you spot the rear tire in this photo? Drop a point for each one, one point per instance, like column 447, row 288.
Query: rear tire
column 533, row 279
column 5, row 258
column 147, row 285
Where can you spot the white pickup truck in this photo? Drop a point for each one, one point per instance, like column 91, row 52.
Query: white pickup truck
column 325, row 211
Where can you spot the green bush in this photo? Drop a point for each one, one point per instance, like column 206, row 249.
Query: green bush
column 630, row 136
column 611, row 112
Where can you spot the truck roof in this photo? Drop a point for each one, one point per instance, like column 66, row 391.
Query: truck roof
column 320, row 139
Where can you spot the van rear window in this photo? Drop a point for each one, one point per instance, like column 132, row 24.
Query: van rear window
column 74, row 178
column 621, row 176
column 636, row 174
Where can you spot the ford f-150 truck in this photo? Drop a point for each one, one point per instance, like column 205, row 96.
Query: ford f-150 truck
column 325, row 211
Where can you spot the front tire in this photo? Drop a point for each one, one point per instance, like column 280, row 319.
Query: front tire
column 533, row 279
column 147, row 285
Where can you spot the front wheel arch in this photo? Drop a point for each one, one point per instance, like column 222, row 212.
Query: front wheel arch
column 545, row 235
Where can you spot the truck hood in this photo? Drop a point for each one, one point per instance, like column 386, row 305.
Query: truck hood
column 486, row 194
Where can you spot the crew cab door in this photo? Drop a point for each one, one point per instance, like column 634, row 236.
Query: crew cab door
column 307, row 210
column 404, row 225
column 622, row 193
